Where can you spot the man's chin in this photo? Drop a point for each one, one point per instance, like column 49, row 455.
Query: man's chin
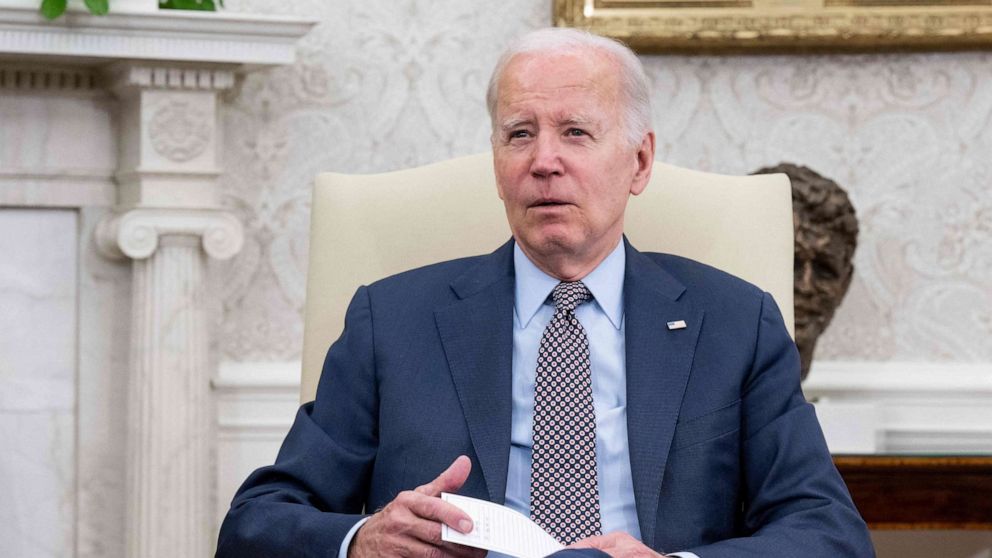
column 551, row 246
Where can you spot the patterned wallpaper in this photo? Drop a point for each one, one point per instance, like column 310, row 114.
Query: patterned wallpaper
column 386, row 84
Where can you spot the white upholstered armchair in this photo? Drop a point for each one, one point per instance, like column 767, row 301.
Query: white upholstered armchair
column 365, row 227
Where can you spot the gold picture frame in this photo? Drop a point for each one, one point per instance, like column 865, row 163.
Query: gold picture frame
column 700, row 26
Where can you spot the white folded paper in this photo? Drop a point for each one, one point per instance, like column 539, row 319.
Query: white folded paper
column 499, row 529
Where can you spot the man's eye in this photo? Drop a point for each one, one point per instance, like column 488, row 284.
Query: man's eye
column 575, row 132
column 517, row 134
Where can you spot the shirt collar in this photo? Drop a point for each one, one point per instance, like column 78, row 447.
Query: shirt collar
column 605, row 282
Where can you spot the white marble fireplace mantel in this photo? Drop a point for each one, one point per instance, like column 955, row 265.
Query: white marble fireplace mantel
column 109, row 214
column 163, row 35
column 71, row 58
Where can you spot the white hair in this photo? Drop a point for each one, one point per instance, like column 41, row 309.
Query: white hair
column 635, row 95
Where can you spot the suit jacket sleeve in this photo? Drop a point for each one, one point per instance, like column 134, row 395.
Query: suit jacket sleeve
column 306, row 502
column 795, row 502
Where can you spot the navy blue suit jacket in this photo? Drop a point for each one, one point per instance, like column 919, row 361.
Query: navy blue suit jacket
column 726, row 456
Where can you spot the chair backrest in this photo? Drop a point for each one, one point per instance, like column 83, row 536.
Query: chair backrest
column 365, row 227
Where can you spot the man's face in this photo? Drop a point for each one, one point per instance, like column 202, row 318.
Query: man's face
column 823, row 272
column 564, row 164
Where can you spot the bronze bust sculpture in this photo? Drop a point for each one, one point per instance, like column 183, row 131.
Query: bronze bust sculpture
column 826, row 232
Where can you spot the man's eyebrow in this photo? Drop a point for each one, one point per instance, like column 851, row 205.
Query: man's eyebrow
column 514, row 122
column 564, row 121
column 575, row 120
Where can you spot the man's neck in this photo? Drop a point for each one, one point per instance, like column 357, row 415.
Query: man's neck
column 569, row 267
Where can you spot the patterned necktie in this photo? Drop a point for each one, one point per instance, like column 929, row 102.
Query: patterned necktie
column 564, row 490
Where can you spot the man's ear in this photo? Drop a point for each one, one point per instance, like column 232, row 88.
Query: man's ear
column 645, row 162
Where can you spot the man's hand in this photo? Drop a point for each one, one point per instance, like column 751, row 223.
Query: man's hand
column 618, row 545
column 410, row 525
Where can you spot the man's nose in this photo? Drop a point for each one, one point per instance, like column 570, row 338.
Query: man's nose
column 547, row 157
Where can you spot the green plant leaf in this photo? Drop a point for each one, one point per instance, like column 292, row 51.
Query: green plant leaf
column 52, row 9
column 98, row 7
column 203, row 5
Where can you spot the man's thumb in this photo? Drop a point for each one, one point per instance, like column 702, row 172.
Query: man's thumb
column 451, row 480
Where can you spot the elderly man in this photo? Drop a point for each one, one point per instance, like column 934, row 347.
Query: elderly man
column 631, row 403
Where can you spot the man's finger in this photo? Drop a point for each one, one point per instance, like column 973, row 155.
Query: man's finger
column 600, row 541
column 451, row 480
column 429, row 532
column 426, row 530
column 426, row 539
column 435, row 509
column 417, row 548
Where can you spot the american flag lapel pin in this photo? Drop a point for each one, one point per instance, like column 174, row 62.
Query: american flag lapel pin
column 677, row 324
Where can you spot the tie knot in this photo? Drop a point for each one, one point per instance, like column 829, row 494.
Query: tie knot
column 569, row 295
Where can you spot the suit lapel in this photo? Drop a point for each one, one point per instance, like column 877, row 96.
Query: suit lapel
column 477, row 334
column 658, row 361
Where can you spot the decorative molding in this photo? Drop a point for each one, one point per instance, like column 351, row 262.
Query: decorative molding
column 258, row 376
column 938, row 440
column 892, row 407
column 35, row 79
column 851, row 379
column 135, row 233
column 256, row 399
column 180, row 130
column 256, row 405
column 168, row 76
column 173, row 35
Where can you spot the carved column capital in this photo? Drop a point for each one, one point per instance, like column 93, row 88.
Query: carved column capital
column 135, row 233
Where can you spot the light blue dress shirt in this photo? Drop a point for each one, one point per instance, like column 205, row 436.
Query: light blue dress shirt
column 603, row 320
